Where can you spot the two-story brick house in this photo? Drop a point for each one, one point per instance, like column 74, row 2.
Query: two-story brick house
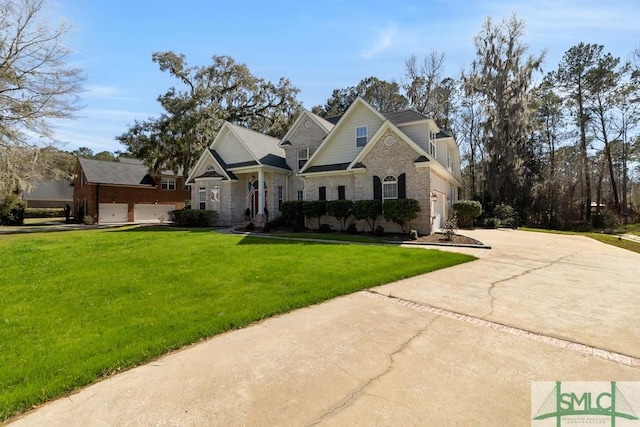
column 125, row 191
column 364, row 155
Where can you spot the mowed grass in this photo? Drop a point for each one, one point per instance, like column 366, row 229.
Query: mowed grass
column 609, row 239
column 79, row 305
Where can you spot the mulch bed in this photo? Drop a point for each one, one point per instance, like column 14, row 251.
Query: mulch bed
column 438, row 238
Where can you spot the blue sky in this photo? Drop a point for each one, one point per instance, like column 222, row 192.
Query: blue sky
column 319, row 46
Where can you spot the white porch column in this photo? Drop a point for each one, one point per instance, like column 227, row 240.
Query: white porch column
column 260, row 191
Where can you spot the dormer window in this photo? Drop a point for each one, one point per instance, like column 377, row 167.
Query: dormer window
column 432, row 144
column 361, row 136
column 304, row 154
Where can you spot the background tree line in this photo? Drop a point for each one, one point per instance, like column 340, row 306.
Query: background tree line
column 557, row 146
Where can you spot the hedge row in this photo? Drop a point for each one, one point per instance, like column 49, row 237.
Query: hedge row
column 44, row 213
column 193, row 217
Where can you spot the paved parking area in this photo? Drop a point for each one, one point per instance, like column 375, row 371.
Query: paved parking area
column 458, row 346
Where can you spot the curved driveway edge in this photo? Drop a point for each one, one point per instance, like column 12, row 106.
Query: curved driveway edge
column 414, row 352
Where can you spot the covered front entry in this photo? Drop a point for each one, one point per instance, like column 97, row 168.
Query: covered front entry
column 253, row 198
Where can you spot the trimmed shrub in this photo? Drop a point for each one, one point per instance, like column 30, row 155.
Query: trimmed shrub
column 503, row 212
column 379, row 231
column 12, row 210
column 467, row 211
column 44, row 213
column 368, row 210
column 193, row 217
column 314, row 209
column 267, row 227
column 249, row 227
column 340, row 210
column 351, row 229
column 325, row 228
column 401, row 211
column 277, row 222
column 293, row 214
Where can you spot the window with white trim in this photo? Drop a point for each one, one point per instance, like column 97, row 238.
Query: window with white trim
column 304, row 154
column 167, row 183
column 432, row 144
column 202, row 198
column 389, row 188
column 280, row 197
column 300, row 195
column 449, row 162
column 361, row 136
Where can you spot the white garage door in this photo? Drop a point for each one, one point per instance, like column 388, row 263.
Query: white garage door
column 113, row 212
column 151, row 213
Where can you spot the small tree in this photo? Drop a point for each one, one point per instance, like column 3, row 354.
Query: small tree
column 467, row 211
column 401, row 211
column 368, row 210
column 12, row 210
column 314, row 209
column 340, row 210
column 506, row 214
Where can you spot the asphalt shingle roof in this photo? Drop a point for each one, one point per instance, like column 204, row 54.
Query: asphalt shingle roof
column 116, row 173
column 404, row 116
column 59, row 189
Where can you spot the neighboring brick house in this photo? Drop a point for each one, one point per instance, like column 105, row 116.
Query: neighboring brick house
column 365, row 155
column 49, row 194
column 124, row 191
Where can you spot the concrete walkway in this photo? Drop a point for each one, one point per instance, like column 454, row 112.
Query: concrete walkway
column 458, row 346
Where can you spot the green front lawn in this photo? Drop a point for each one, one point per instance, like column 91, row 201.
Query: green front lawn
column 79, row 305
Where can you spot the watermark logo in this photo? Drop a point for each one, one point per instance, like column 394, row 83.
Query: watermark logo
column 577, row 404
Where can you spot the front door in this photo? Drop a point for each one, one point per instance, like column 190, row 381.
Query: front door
column 438, row 212
column 254, row 203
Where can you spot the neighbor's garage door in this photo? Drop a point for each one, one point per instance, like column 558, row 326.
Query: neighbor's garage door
column 113, row 212
column 146, row 213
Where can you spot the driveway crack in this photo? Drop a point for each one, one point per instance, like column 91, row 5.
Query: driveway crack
column 360, row 390
column 492, row 297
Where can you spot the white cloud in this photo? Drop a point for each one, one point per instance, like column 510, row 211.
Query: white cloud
column 104, row 92
column 386, row 39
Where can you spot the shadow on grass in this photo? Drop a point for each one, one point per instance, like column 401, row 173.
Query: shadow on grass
column 162, row 228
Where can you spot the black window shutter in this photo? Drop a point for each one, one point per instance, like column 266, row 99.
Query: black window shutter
column 402, row 186
column 377, row 188
column 322, row 193
column 341, row 192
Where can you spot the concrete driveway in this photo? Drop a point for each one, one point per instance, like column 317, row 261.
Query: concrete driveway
column 459, row 346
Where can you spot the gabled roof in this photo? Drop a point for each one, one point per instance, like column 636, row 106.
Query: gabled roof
column 337, row 128
column 405, row 116
column 58, row 189
column 257, row 150
column 259, row 145
column 389, row 126
column 116, row 173
column 305, row 114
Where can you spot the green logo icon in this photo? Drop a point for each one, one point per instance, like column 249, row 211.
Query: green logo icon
column 583, row 405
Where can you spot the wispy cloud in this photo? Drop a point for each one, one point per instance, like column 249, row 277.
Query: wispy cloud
column 105, row 92
column 385, row 40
